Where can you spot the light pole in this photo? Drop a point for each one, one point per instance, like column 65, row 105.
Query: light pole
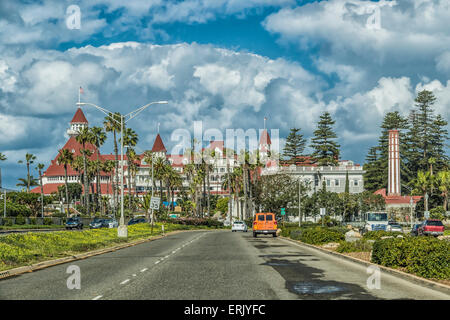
column 299, row 197
column 410, row 205
column 122, row 230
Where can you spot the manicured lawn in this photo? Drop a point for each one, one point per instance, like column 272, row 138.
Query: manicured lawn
column 30, row 226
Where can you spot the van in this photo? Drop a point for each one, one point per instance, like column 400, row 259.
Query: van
column 264, row 223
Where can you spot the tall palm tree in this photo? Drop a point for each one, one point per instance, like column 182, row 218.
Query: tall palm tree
column 99, row 138
column 160, row 169
column 39, row 167
column 84, row 136
column 443, row 182
column 29, row 181
column 66, row 159
column 130, row 140
column 108, row 168
column 29, row 159
column 112, row 124
column 422, row 185
column 94, row 168
column 149, row 159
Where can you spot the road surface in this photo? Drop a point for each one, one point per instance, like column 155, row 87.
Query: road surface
column 213, row 265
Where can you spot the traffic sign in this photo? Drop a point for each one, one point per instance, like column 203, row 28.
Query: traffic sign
column 154, row 203
column 283, row 212
column 322, row 211
column 426, row 214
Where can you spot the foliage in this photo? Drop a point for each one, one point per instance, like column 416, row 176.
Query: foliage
column 222, row 205
column 437, row 213
column 294, row 146
column 326, row 150
column 47, row 221
column 354, row 246
column 425, row 256
column 319, row 235
column 197, row 222
column 20, row 220
column 376, row 235
column 74, row 190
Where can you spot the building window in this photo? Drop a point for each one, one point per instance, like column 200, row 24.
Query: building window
column 355, row 183
column 336, row 182
column 328, row 182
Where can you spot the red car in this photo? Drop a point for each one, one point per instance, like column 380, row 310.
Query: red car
column 431, row 227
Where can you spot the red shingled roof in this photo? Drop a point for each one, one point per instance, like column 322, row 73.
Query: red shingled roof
column 397, row 199
column 158, row 146
column 79, row 117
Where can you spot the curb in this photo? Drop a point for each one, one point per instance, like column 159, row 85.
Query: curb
column 406, row 276
column 6, row 231
column 50, row 263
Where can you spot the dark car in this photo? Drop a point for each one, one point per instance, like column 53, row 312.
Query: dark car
column 97, row 223
column 74, row 223
column 136, row 220
column 415, row 229
column 432, row 227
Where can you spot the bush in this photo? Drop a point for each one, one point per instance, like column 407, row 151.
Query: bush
column 20, row 220
column 376, row 235
column 319, row 235
column 424, row 256
column 7, row 222
column 32, row 221
column 48, row 221
column 355, row 246
column 437, row 213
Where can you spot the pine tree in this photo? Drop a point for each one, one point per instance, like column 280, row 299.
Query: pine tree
column 295, row 145
column 424, row 102
column 373, row 176
column 326, row 150
column 439, row 135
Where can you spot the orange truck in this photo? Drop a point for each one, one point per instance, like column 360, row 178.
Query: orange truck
column 264, row 223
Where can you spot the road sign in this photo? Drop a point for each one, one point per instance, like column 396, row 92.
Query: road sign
column 154, row 203
column 322, row 211
column 283, row 212
column 426, row 214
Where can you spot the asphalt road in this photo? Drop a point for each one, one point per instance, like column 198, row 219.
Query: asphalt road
column 213, row 265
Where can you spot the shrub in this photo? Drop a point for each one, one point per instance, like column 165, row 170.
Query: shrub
column 376, row 235
column 20, row 220
column 7, row 222
column 48, row 221
column 32, row 221
column 319, row 235
column 437, row 213
column 424, row 256
column 197, row 222
column 355, row 246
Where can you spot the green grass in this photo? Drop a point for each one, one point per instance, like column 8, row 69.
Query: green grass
column 27, row 248
column 447, row 233
column 30, row 226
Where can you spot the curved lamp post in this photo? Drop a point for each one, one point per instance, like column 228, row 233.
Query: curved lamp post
column 122, row 230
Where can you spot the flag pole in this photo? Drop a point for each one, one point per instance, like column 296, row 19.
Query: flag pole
column 79, row 95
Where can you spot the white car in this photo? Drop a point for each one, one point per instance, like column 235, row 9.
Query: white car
column 111, row 223
column 239, row 226
column 394, row 228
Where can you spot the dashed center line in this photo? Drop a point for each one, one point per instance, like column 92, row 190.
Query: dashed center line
column 145, row 269
column 97, row 297
column 125, row 281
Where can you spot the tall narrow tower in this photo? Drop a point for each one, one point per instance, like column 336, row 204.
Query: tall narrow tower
column 394, row 164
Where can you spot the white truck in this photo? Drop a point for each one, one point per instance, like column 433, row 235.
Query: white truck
column 375, row 221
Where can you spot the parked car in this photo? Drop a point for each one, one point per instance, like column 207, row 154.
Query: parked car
column 97, row 223
column 265, row 223
column 136, row 220
column 74, row 222
column 415, row 229
column 394, row 227
column 239, row 226
column 432, row 227
column 110, row 223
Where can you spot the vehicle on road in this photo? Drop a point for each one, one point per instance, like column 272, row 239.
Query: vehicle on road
column 136, row 221
column 375, row 221
column 239, row 226
column 110, row 223
column 431, row 227
column 415, row 229
column 97, row 223
column 394, row 227
column 74, row 223
column 265, row 223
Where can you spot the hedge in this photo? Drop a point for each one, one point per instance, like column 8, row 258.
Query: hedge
column 376, row 235
column 319, row 235
column 354, row 246
column 427, row 257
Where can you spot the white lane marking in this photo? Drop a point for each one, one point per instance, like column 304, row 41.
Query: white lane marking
column 97, row 297
column 166, row 257
column 134, row 275
column 125, row 281
column 145, row 269
column 157, row 262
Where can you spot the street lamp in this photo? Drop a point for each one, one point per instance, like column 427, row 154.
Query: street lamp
column 122, row 230
column 410, row 205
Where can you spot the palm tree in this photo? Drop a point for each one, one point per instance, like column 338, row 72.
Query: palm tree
column 112, row 124
column 94, row 168
column 148, row 159
column 29, row 158
column 2, row 157
column 84, row 136
column 26, row 182
column 39, row 167
column 422, row 184
column 160, row 172
column 108, row 168
column 130, row 139
column 99, row 138
column 443, row 182
column 66, row 159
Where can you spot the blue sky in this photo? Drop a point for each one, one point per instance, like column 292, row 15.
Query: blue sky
column 228, row 63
